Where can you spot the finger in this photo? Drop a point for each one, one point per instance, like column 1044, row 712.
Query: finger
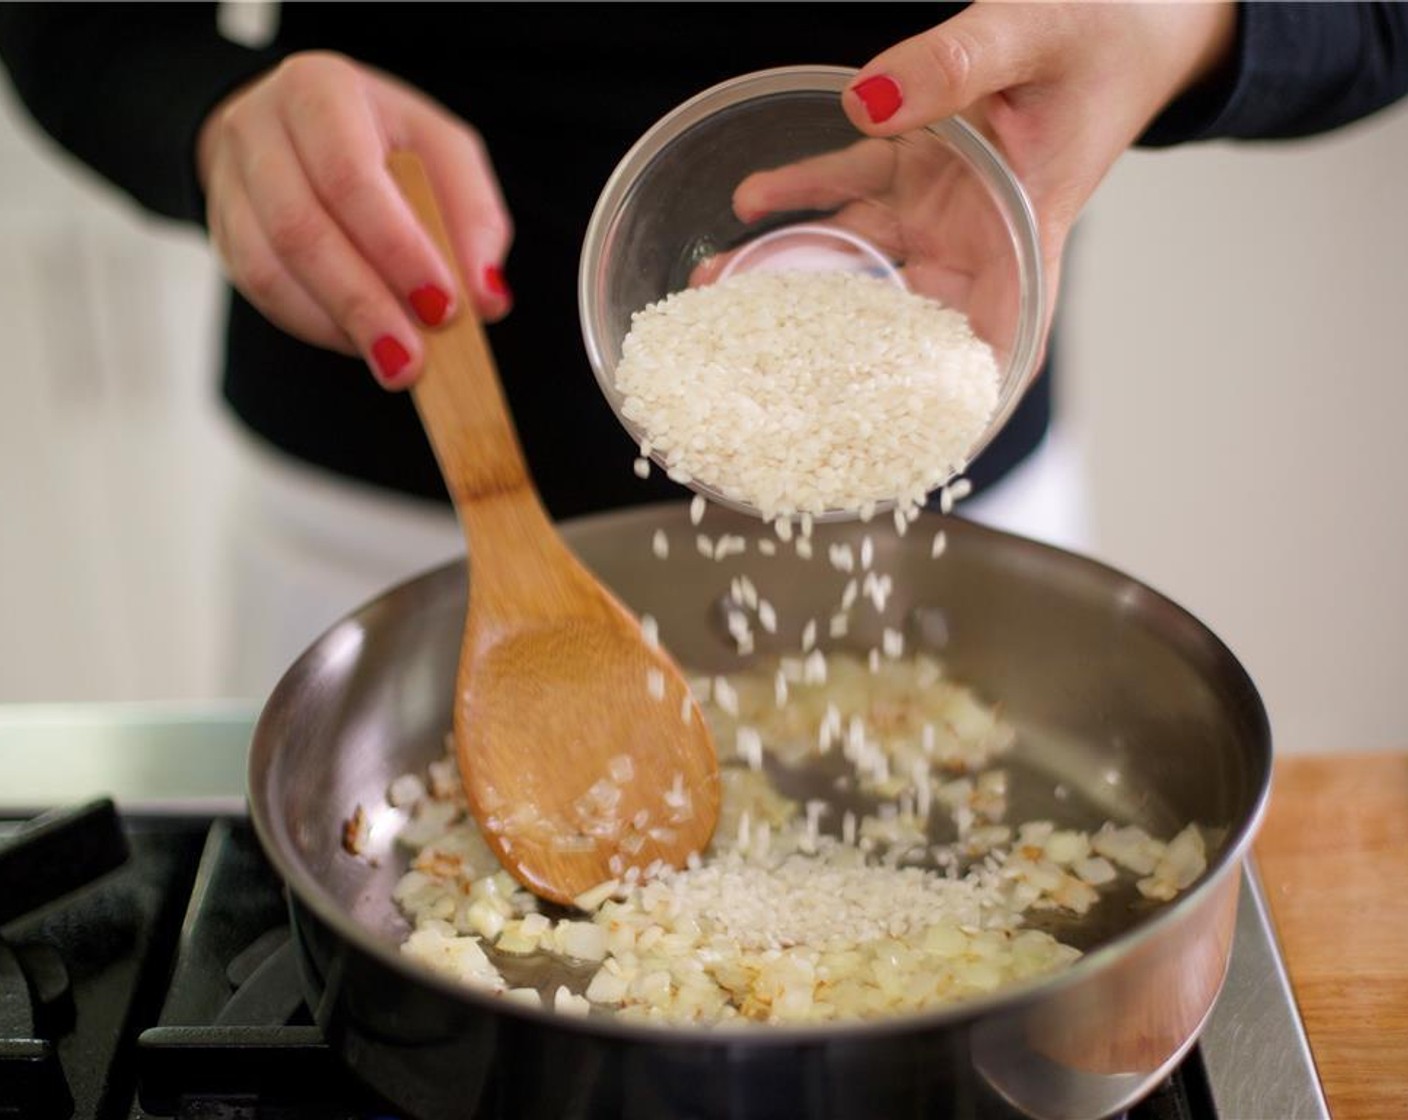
column 984, row 49
column 476, row 216
column 258, row 274
column 822, row 182
column 336, row 137
column 314, row 249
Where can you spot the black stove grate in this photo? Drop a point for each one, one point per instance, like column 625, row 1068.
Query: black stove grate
column 91, row 967
column 234, row 1025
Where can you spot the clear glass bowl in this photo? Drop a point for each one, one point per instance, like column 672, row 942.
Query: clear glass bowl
column 936, row 209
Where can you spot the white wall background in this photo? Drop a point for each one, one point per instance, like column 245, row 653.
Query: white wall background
column 1235, row 365
column 1238, row 350
column 114, row 460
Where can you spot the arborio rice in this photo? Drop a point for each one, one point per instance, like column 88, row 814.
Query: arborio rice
column 807, row 391
column 797, row 912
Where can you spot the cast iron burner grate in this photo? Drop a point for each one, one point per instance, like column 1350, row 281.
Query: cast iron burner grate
column 234, row 1027
column 89, row 912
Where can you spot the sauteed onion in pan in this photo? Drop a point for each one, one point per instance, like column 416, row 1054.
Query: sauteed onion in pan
column 907, row 889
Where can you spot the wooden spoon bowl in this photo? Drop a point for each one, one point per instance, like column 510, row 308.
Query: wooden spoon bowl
column 582, row 751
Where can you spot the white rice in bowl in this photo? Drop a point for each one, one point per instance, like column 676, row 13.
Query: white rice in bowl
column 807, row 391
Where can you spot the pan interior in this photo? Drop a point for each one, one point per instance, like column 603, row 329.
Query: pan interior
column 1127, row 708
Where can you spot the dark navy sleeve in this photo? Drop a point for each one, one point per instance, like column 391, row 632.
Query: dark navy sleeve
column 125, row 87
column 1297, row 69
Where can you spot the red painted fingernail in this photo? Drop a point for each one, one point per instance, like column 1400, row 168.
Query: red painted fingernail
column 430, row 304
column 495, row 282
column 881, row 97
column 390, row 358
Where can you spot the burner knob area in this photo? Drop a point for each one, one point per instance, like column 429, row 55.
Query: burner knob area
column 16, row 1004
column 42, row 861
column 31, row 1081
column 49, row 986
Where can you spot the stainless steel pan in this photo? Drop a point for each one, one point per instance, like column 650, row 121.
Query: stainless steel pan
column 1120, row 697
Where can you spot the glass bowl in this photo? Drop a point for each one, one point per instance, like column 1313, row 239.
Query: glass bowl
column 935, row 209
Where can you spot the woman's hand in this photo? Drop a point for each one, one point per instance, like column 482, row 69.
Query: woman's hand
column 314, row 232
column 1062, row 89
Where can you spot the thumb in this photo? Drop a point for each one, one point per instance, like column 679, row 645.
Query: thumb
column 943, row 71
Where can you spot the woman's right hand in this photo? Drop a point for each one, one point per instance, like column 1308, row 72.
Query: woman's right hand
column 314, row 232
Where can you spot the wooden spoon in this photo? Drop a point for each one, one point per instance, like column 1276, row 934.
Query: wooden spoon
column 581, row 749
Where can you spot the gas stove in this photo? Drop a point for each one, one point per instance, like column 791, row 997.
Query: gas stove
column 146, row 970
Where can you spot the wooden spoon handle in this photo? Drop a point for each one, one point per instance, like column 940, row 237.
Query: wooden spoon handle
column 458, row 396
column 521, row 569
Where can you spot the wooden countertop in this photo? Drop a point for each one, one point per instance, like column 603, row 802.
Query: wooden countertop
column 1333, row 854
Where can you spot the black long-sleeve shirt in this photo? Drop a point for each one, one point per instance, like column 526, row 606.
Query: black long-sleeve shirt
column 559, row 93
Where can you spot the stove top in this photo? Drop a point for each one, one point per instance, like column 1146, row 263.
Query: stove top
column 146, row 971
